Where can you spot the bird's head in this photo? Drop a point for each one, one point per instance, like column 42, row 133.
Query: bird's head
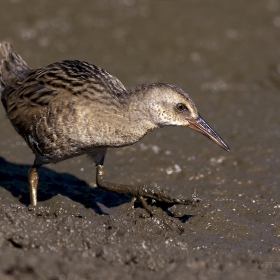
column 170, row 105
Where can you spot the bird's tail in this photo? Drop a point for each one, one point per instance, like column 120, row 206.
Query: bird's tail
column 12, row 66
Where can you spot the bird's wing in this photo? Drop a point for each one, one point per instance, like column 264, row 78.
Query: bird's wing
column 25, row 103
column 27, row 100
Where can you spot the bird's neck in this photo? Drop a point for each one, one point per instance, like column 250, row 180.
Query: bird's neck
column 139, row 120
column 122, row 122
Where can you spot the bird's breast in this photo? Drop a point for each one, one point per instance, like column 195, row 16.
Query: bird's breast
column 79, row 128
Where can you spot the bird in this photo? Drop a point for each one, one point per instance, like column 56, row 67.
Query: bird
column 71, row 108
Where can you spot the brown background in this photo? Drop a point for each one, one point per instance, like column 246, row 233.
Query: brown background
column 225, row 54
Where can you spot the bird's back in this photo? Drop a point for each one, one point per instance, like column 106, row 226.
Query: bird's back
column 52, row 107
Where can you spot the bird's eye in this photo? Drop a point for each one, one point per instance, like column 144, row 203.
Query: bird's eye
column 181, row 107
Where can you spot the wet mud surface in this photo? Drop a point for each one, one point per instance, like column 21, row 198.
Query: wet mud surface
column 225, row 54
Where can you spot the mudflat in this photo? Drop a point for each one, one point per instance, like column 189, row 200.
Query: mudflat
column 225, row 54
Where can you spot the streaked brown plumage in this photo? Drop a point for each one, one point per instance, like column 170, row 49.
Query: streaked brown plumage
column 72, row 108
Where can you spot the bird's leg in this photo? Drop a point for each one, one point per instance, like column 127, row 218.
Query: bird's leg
column 33, row 179
column 142, row 192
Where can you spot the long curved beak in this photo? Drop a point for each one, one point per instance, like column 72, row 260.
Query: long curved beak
column 204, row 128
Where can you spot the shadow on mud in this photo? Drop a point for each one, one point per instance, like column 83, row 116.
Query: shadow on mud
column 13, row 177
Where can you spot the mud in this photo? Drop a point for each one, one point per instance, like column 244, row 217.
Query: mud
column 225, row 54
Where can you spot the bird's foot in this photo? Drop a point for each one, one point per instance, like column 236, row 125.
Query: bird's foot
column 154, row 197
column 161, row 196
column 151, row 198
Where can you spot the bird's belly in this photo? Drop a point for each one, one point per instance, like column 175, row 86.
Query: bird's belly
column 57, row 142
column 50, row 150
